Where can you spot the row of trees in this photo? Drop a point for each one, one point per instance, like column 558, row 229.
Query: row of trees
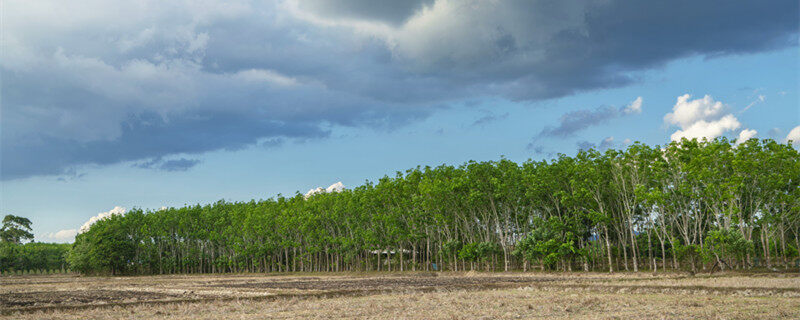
column 15, row 255
column 689, row 205
column 33, row 256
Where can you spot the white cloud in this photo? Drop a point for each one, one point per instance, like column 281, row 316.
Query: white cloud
column 66, row 235
column 794, row 136
column 264, row 75
column 758, row 100
column 745, row 135
column 686, row 112
column 102, row 215
column 700, row 118
column 707, row 129
column 336, row 187
column 634, row 107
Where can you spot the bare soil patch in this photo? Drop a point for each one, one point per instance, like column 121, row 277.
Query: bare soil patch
column 78, row 297
column 389, row 283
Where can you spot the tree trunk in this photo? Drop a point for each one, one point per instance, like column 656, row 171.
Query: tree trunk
column 634, row 249
column 414, row 257
column 608, row 250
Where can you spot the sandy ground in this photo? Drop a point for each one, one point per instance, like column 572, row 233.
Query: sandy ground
column 405, row 296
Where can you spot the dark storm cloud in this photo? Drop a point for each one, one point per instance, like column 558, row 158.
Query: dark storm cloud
column 149, row 137
column 185, row 79
column 390, row 11
column 529, row 50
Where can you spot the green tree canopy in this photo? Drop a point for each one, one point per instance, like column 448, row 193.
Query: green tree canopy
column 16, row 229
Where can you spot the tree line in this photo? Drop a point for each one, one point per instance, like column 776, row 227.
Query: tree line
column 689, row 205
column 16, row 256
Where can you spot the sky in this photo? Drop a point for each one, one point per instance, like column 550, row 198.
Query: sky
column 108, row 106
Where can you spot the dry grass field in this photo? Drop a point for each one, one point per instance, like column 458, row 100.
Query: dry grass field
column 404, row 296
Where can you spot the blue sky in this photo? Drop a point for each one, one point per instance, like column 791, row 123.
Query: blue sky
column 142, row 105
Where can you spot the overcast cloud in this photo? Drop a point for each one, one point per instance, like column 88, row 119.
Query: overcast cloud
column 97, row 82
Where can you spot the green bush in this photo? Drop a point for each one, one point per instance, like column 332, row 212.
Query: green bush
column 726, row 247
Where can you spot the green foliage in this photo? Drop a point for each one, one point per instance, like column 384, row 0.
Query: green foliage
column 792, row 251
column 15, row 229
column 32, row 255
column 727, row 246
column 105, row 248
column 620, row 209
column 14, row 255
column 452, row 247
column 691, row 253
column 478, row 251
column 551, row 242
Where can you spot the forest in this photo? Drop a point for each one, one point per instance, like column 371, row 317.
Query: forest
column 690, row 205
column 34, row 257
column 16, row 256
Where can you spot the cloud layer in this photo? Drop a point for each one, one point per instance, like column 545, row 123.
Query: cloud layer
column 66, row 235
column 604, row 144
column 336, row 187
column 700, row 118
column 145, row 81
column 572, row 122
column 794, row 136
column 172, row 165
column 745, row 135
column 100, row 216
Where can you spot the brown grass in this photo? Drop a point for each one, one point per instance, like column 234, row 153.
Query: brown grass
column 404, row 296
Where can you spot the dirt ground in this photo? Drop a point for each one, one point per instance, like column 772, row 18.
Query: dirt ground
column 404, row 295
